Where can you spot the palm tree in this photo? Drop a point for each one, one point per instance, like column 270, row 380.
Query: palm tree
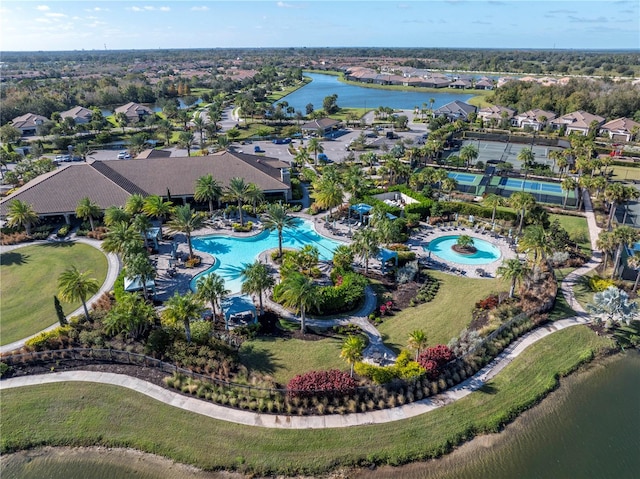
column 365, row 245
column 351, row 351
column 448, row 185
column 527, row 157
column 327, row 194
column 277, row 219
column 256, row 279
column 74, row 285
column 535, row 240
column 237, row 191
column 299, row 292
column 139, row 266
column 254, row 196
column 493, row 201
column 156, row 207
column 87, row 209
column 137, row 144
column 185, row 140
column 134, row 204
column 633, row 262
column 198, row 124
column 122, row 239
column 183, row 309
column 606, row 243
column 315, row 146
column 185, row 220
column 418, row 341
column 514, row 270
column 439, row 175
column 614, row 194
column 115, row 214
column 468, row 154
column 207, row 189
column 21, row 213
column 522, row 202
column 142, row 223
column 302, row 157
column 568, row 184
column 211, row 288
column 622, row 236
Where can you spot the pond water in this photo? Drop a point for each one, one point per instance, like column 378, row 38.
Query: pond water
column 588, row 429
column 353, row 96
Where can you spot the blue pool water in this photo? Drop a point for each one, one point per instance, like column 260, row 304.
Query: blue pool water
column 441, row 247
column 232, row 254
column 537, row 186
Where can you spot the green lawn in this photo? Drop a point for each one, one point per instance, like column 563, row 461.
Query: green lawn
column 625, row 173
column 30, row 280
column 577, row 228
column 88, row 414
column 284, row 358
column 445, row 316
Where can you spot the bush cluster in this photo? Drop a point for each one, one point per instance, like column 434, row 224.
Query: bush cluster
column 345, row 295
column 326, row 383
column 427, row 290
column 432, row 359
column 404, row 368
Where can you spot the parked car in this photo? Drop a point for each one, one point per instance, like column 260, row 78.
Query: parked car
column 124, row 155
column 282, row 141
column 324, row 158
column 257, row 149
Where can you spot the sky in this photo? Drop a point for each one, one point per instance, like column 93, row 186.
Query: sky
column 33, row 25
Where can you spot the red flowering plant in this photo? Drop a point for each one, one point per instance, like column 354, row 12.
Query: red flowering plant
column 432, row 359
column 321, row 383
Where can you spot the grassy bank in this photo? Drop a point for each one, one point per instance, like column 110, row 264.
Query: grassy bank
column 455, row 301
column 36, row 269
column 90, row 414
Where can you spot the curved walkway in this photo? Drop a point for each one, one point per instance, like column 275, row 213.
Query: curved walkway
column 113, row 269
column 335, row 421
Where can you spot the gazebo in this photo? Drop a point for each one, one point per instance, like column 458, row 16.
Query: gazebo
column 240, row 310
column 387, row 255
column 135, row 284
column 362, row 209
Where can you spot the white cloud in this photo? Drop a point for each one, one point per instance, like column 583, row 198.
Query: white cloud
column 202, row 8
column 285, row 5
column 165, row 9
column 96, row 9
column 42, row 8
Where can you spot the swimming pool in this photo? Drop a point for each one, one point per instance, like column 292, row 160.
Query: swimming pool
column 486, row 252
column 232, row 254
column 537, row 186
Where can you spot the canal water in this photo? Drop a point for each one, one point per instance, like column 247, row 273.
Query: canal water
column 354, row 96
column 587, row 429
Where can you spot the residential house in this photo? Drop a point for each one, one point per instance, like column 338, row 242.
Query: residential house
column 536, row 119
column 134, row 112
column 80, row 115
column 111, row 183
column 456, row 110
column 28, row 123
column 484, row 84
column 461, row 84
column 620, row 129
column 579, row 122
column 494, row 114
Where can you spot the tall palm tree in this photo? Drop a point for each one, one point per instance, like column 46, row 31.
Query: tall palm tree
column 21, row 213
column 448, row 185
column 513, row 270
column 207, row 189
column 198, row 124
column 351, row 351
column 493, row 201
column 535, row 240
column 185, row 220
column 607, row 244
column 254, row 196
column 522, row 202
column 299, row 292
column 439, row 175
column 527, row 157
column 365, row 245
column 327, row 194
column 142, row 223
column 316, row 147
column 568, row 184
column 302, row 157
column 468, row 154
column 122, row 239
column 139, row 266
column 418, row 341
column 277, row 219
column 622, row 236
column 74, row 285
column 134, row 204
column 156, row 207
column 614, row 194
column 183, row 309
column 185, row 140
column 633, row 262
column 256, row 279
column 211, row 288
column 115, row 214
column 238, row 191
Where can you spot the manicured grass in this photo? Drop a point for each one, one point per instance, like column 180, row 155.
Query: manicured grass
column 582, row 294
column 30, row 280
column 445, row 316
column 87, row 414
column 625, row 173
column 577, row 228
column 284, row 358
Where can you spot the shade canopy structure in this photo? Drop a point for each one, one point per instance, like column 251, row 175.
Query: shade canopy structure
column 239, row 311
column 387, row 255
column 362, row 208
column 153, row 234
column 135, row 284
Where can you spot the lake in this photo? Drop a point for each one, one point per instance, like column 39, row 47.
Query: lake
column 353, row 96
column 587, row 429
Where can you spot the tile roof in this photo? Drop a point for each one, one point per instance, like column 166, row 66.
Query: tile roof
column 28, row 120
column 621, row 124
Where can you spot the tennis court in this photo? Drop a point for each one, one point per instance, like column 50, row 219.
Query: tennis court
column 506, row 152
column 533, row 186
column 466, row 178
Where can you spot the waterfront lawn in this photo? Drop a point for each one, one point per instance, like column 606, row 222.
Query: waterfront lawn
column 577, row 228
column 445, row 316
column 284, row 358
column 30, row 280
column 95, row 414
